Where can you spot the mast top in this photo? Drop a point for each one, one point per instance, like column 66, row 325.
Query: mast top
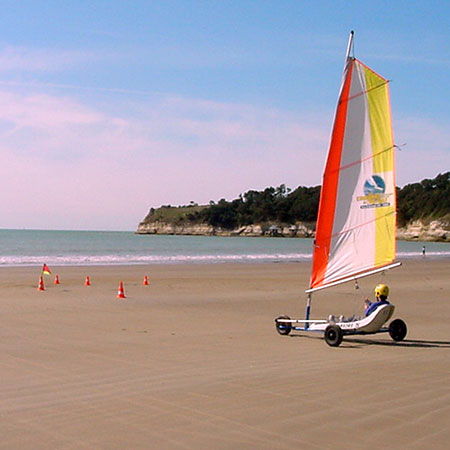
column 350, row 47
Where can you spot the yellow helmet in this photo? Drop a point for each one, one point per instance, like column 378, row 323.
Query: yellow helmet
column 381, row 289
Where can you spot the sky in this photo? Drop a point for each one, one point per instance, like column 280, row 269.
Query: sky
column 109, row 108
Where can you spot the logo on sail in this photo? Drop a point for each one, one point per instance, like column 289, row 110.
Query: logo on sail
column 374, row 193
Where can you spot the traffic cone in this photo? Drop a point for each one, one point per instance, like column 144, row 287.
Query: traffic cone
column 145, row 282
column 88, row 281
column 41, row 284
column 57, row 279
column 120, row 292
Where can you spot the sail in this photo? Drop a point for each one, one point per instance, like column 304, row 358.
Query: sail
column 356, row 221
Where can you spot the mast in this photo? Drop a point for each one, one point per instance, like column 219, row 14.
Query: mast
column 349, row 46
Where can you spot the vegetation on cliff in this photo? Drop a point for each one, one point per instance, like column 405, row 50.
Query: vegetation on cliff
column 426, row 200
column 271, row 205
column 429, row 199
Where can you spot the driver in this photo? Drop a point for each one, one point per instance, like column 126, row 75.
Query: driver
column 381, row 295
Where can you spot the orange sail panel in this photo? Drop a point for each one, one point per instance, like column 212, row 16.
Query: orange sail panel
column 356, row 221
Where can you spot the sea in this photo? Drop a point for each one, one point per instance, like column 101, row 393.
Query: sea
column 76, row 248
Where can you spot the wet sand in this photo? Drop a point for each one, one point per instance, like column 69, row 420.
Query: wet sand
column 193, row 361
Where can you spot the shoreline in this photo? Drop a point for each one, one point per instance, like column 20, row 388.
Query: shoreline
column 220, row 260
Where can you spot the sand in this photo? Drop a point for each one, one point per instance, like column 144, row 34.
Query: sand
column 193, row 361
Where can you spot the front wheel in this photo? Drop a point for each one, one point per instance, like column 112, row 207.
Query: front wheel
column 398, row 330
column 333, row 335
column 283, row 328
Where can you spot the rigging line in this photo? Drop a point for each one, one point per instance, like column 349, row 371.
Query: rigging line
column 359, row 94
column 371, row 70
column 348, row 230
column 360, row 161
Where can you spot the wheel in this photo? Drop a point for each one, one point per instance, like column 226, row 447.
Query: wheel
column 398, row 330
column 333, row 335
column 283, row 327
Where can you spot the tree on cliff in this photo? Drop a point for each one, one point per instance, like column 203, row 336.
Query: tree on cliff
column 271, row 205
column 427, row 199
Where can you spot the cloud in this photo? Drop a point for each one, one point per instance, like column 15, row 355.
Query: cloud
column 43, row 85
column 68, row 164
column 92, row 164
column 44, row 126
column 27, row 59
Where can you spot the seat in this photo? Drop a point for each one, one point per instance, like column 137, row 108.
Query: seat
column 377, row 319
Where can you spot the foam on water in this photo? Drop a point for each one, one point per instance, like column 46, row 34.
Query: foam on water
column 136, row 259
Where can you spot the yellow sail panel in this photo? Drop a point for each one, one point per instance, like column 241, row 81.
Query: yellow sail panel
column 380, row 122
column 383, row 165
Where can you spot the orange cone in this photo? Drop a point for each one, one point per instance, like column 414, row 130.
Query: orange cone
column 88, row 281
column 57, row 279
column 41, row 284
column 120, row 292
column 145, row 282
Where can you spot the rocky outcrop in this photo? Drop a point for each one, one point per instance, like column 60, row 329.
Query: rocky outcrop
column 169, row 228
column 435, row 230
column 257, row 230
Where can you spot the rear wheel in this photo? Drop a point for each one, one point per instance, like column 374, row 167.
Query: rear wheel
column 283, row 328
column 398, row 330
column 333, row 335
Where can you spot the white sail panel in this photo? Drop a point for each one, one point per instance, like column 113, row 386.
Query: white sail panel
column 359, row 206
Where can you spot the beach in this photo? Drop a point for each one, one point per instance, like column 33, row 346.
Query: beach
column 193, row 361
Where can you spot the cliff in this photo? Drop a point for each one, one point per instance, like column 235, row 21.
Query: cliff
column 192, row 229
column 435, row 230
column 422, row 230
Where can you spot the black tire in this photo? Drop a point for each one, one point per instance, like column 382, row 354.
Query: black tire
column 398, row 330
column 333, row 335
column 283, row 327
